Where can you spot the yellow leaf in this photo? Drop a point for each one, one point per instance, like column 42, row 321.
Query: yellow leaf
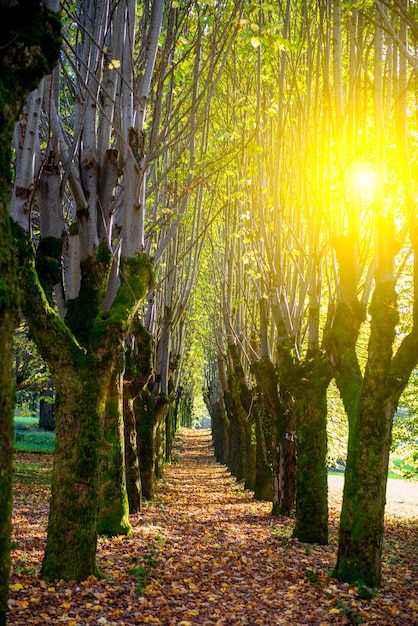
column 150, row 619
column 51, row 589
column 97, row 607
column 334, row 611
column 66, row 605
column 22, row 603
column 114, row 64
column 185, row 623
column 293, row 588
column 16, row 586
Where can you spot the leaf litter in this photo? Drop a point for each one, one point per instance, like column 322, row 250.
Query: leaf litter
column 205, row 553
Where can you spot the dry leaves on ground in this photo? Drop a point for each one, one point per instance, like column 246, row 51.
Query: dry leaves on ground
column 205, row 552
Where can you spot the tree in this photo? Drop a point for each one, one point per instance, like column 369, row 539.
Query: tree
column 80, row 317
column 109, row 210
column 371, row 397
column 29, row 44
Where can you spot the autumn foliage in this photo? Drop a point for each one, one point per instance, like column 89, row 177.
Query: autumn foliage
column 205, row 552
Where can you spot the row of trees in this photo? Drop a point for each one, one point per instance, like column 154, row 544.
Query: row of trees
column 107, row 216
column 317, row 269
column 215, row 144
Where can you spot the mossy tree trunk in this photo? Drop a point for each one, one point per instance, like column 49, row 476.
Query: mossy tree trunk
column 263, row 487
column 82, row 361
column 149, row 411
column 370, row 401
column 9, row 303
column 132, row 470
column 237, row 439
column 238, row 401
column 370, row 422
column 215, row 405
column 220, row 432
column 311, row 459
column 278, row 431
column 29, row 46
column 113, row 517
column 138, row 371
column 306, row 383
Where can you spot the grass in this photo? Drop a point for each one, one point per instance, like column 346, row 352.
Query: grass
column 31, row 473
column 30, row 438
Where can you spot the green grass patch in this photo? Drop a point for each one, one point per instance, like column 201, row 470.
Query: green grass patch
column 28, row 472
column 24, row 422
column 28, row 437
column 34, row 441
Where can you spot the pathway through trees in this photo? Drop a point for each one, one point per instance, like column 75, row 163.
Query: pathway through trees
column 206, row 553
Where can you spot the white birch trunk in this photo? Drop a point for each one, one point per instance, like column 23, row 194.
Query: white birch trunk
column 27, row 153
column 134, row 213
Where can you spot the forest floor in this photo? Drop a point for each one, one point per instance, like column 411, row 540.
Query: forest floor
column 206, row 553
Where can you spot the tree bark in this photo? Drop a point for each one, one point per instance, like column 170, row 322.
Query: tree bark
column 138, row 371
column 113, row 518
column 29, row 46
column 149, row 411
column 133, row 474
column 82, row 375
column 307, row 383
column 371, row 417
column 311, row 463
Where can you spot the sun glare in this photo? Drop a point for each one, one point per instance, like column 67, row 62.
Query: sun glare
column 364, row 179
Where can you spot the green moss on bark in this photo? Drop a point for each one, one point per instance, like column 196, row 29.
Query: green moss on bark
column 72, row 529
column 362, row 514
column 113, row 516
column 311, row 468
column 29, row 45
column 82, row 311
column 9, row 302
column 48, row 263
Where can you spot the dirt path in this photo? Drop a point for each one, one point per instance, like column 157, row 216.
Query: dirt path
column 206, row 553
column 225, row 560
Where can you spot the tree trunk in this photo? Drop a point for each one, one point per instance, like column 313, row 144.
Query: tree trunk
column 220, row 426
column 370, row 420
column 46, row 411
column 149, row 411
column 9, row 307
column 82, row 375
column 72, row 527
column 138, row 371
column 263, row 487
column 278, row 423
column 133, row 474
column 113, row 518
column 250, row 456
column 311, row 465
column 29, row 46
column 237, row 447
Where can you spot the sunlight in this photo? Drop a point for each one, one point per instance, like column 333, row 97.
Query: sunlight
column 364, row 178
